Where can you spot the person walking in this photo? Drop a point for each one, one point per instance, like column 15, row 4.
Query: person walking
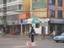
column 17, row 31
column 32, row 34
column 43, row 33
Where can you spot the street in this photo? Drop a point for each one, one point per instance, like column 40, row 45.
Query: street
column 20, row 42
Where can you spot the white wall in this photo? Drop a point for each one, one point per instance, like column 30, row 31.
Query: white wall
column 46, row 29
column 38, row 30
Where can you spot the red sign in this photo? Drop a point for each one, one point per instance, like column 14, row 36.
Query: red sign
column 24, row 16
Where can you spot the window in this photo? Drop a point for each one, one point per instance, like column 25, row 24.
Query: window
column 20, row 7
column 1, row 1
column 34, row 1
column 52, row 2
column 59, row 13
column 10, row 0
column 59, row 2
column 5, row 1
column 0, row 10
column 37, row 25
column 52, row 13
column 12, row 8
column 11, row 17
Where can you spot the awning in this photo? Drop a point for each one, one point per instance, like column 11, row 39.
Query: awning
column 57, row 21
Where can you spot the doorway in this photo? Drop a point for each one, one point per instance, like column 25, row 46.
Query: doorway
column 59, row 29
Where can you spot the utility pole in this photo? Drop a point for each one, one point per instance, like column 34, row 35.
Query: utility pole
column 4, row 15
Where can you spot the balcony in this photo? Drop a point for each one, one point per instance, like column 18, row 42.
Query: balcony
column 10, row 13
column 12, row 3
column 15, row 3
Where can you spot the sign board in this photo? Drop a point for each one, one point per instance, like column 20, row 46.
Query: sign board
column 57, row 21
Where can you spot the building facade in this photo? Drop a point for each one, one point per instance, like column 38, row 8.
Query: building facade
column 13, row 9
column 50, row 13
column 56, row 15
column 39, row 8
column 38, row 15
column 45, row 13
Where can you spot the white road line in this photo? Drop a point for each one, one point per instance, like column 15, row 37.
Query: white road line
column 22, row 46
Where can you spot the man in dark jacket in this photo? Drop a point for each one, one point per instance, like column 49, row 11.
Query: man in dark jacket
column 32, row 33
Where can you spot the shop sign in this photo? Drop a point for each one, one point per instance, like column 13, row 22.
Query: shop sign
column 58, row 21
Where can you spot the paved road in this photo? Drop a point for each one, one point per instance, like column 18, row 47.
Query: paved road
column 20, row 42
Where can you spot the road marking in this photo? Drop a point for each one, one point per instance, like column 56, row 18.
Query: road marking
column 21, row 46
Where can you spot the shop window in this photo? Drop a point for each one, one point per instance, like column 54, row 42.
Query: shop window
column 37, row 25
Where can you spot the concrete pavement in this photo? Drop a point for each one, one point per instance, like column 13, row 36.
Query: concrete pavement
column 20, row 42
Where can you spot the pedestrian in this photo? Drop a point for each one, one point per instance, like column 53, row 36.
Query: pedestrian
column 43, row 33
column 32, row 34
column 17, row 31
column 54, row 33
column 29, row 44
column 29, row 32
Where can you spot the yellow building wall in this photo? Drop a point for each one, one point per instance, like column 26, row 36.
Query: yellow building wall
column 26, row 5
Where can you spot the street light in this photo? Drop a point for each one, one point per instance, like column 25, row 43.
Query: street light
column 4, row 15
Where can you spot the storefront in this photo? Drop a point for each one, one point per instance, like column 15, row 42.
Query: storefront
column 45, row 25
column 40, row 25
column 25, row 27
column 35, row 23
column 13, row 27
column 56, row 25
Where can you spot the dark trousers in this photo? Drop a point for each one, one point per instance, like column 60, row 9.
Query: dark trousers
column 32, row 38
